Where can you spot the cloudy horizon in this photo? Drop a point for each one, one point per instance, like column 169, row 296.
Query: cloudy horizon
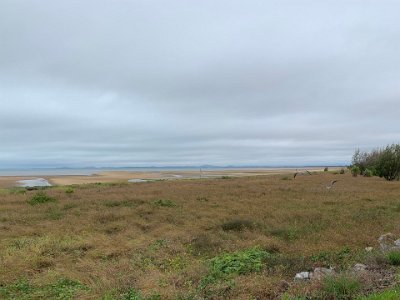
column 173, row 83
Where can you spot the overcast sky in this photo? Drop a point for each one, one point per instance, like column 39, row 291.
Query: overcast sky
column 185, row 82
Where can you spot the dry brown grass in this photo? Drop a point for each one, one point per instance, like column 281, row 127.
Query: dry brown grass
column 115, row 237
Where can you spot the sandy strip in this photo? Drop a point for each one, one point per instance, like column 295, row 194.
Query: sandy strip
column 118, row 176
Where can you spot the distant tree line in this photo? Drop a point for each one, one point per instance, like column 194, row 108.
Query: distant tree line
column 384, row 162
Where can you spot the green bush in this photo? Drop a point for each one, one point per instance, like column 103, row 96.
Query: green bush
column 69, row 191
column 326, row 169
column 355, row 170
column 240, row 262
column 342, row 171
column 40, row 198
column 224, row 266
column 380, row 162
column 394, row 258
column 368, row 173
column 340, row 287
column 388, row 164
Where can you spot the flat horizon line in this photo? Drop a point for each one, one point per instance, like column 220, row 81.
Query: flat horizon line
column 174, row 167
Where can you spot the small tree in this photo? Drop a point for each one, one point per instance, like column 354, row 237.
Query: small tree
column 388, row 163
column 379, row 162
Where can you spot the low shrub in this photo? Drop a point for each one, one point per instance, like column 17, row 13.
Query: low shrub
column 240, row 262
column 326, row 169
column 69, row 191
column 368, row 173
column 224, row 266
column 355, row 171
column 40, row 198
column 342, row 171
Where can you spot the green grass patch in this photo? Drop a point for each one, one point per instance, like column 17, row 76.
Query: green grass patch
column 225, row 266
column 62, row 289
column 342, row 257
column 394, row 258
column 40, row 198
column 340, row 287
column 240, row 262
column 17, row 191
column 134, row 294
column 393, row 294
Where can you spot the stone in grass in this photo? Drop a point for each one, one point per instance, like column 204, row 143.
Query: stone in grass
column 318, row 274
column 388, row 242
column 369, row 249
column 302, row 276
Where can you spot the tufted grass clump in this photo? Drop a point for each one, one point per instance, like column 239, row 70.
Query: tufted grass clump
column 394, row 258
column 341, row 287
column 40, row 198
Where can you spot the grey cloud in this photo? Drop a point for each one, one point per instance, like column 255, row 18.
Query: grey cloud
column 188, row 82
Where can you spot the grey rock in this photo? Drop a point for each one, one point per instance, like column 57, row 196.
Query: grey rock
column 302, row 276
column 387, row 241
column 369, row 249
column 397, row 243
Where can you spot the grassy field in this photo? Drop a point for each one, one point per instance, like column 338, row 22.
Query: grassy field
column 228, row 238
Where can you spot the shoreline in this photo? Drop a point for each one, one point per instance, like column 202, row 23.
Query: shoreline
column 118, row 176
